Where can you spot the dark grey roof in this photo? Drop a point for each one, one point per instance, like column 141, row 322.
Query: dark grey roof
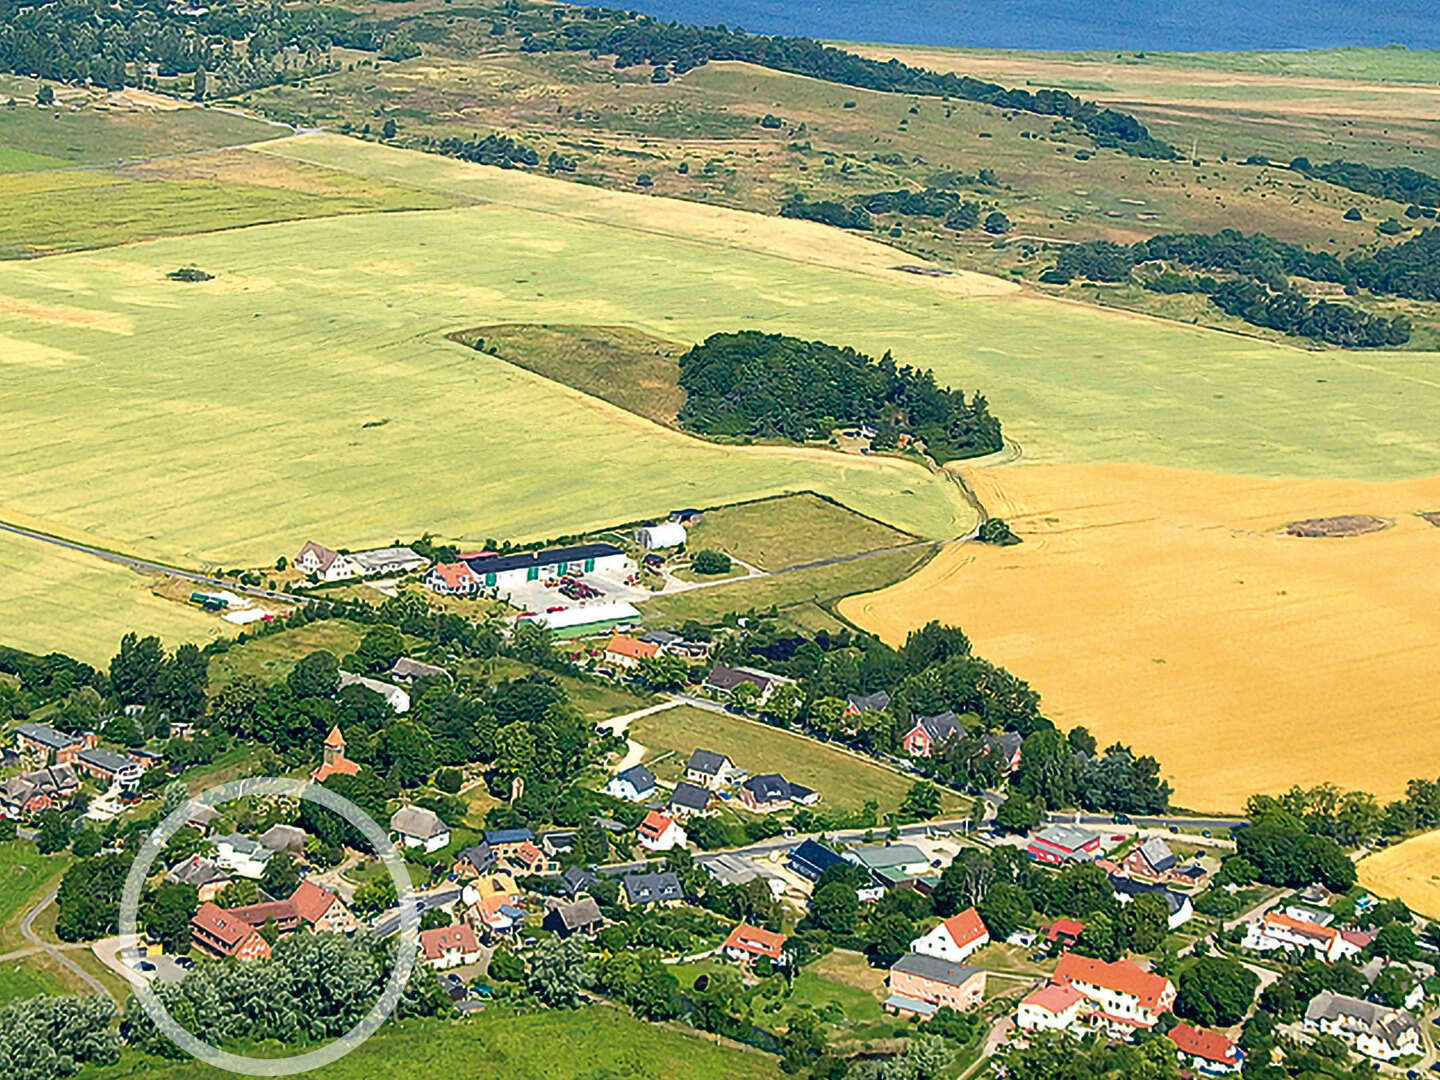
column 652, row 888
column 707, row 761
column 494, row 564
column 728, row 678
column 928, row 967
column 53, row 778
column 289, row 838
column 1380, row 1021
column 577, row 880
column 1127, row 886
column 47, row 735
column 405, row 668
column 479, row 856
column 772, row 787
column 690, row 796
column 661, row 637
column 1006, row 744
column 638, row 777
column 812, row 858
column 876, row 702
column 940, row 726
column 108, row 760
column 197, row 871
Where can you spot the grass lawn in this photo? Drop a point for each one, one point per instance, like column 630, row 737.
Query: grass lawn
column 803, row 591
column 635, row 371
column 25, row 877
column 598, row 700
column 548, row 1045
column 791, row 531
column 271, row 657
column 843, row 780
column 30, row 977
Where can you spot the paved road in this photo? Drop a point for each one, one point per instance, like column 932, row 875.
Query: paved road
column 146, row 566
column 1160, row 822
column 27, row 928
column 389, row 922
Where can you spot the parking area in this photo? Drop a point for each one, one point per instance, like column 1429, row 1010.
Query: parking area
column 576, row 589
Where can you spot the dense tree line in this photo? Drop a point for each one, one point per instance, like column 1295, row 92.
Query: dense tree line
column 1255, row 255
column 751, row 383
column 314, row 987
column 1410, row 269
column 1320, row 320
column 45, row 1038
column 827, row 212
column 640, row 40
column 1400, row 183
column 499, row 150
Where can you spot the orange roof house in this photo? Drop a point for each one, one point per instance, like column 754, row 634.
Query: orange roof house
column 449, row 946
column 335, row 762
column 747, row 942
column 1210, row 1047
column 220, row 933
column 629, row 651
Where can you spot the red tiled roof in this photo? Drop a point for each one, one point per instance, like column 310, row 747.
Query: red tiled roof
column 259, row 914
column 1063, row 927
column 1053, row 999
column 439, row 940
column 1210, row 1045
column 335, row 738
column 655, row 824
column 1358, row 938
column 1303, row 927
column 966, row 927
column 756, row 941
column 629, row 646
column 341, row 766
column 454, row 574
column 528, row 853
column 312, row 901
column 221, row 924
column 1125, row 976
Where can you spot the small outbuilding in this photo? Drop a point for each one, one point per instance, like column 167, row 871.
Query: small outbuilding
column 667, row 534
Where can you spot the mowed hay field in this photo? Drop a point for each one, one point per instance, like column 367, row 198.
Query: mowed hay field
column 51, row 598
column 1410, row 870
column 1166, row 609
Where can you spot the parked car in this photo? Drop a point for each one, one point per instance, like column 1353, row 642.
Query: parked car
column 1121, row 819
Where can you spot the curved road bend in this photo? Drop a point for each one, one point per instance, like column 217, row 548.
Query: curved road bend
column 146, row 566
column 27, row 928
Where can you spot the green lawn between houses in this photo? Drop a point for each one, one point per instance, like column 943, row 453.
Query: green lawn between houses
column 596, row 1042
column 845, row 781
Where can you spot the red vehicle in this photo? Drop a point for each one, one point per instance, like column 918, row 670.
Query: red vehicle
column 557, row 607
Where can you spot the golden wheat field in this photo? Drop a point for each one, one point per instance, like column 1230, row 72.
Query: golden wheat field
column 1169, row 610
column 1410, row 871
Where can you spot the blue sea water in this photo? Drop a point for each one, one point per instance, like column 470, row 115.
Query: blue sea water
column 1154, row 25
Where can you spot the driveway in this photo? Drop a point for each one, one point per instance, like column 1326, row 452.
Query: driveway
column 617, row 725
column 27, row 927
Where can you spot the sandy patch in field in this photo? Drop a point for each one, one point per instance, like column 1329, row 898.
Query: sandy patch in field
column 65, row 315
column 1410, row 871
column 1168, row 609
column 144, row 99
column 18, row 351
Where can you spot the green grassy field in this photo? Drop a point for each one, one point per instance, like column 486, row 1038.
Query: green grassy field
column 592, row 1043
column 28, row 977
column 843, row 780
column 271, row 657
column 801, row 592
column 792, row 531
column 51, row 598
column 25, row 876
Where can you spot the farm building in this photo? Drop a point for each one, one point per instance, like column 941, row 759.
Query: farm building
column 505, row 571
column 1059, row 845
column 325, row 563
column 108, row 766
column 666, row 534
column 585, row 621
column 452, row 579
column 391, row 560
column 40, row 740
column 397, row 699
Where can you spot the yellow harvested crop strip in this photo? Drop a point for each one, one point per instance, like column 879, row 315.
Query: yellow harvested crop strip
column 1410, row 870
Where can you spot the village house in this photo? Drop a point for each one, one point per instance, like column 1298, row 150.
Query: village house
column 578, row 881
column 723, row 680
column 689, row 800
column 38, row 742
column 493, row 902
column 770, row 792
column 1153, row 862
column 396, row 698
column 287, row 838
column 1050, row 1008
column 473, row 861
column 855, row 704
column 955, row 939
column 28, row 794
column 1062, row 934
column 1207, row 1052
column 729, row 868
column 1282, row 930
column 928, row 733
column 1061, row 845
column 635, row 784
column 216, row 931
column 811, row 859
column 527, row 858
column 385, row 561
column 109, row 767
column 508, row 842
column 580, row 917
column 417, row 827
column 334, row 761
column 710, row 769
column 323, row 563
column 241, row 855
column 747, row 944
column 1377, row 1031
column 322, row 910
column 921, row 985
column 1005, row 746
column 642, row 890
column 626, row 652
column 449, row 946
column 676, row 645
column 660, row 832
column 1181, row 910
column 1123, row 996
column 205, row 874
column 452, row 579
column 410, row 671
